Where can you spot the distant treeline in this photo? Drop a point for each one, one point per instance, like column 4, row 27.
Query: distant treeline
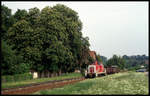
column 136, row 61
column 133, row 62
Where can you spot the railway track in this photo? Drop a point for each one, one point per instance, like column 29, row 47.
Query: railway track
column 34, row 87
column 29, row 89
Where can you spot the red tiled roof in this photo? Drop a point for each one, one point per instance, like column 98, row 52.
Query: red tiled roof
column 93, row 54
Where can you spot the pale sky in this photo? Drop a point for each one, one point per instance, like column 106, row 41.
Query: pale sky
column 119, row 28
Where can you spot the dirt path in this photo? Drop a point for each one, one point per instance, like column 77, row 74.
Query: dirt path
column 32, row 89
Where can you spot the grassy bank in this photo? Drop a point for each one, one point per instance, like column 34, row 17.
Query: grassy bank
column 120, row 83
column 26, row 82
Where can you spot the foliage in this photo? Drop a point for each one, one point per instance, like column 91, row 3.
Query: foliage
column 20, row 15
column 98, row 58
column 91, row 60
column 50, row 39
column 84, row 56
column 135, row 62
column 7, row 20
column 104, row 60
column 16, row 77
column 12, row 63
column 115, row 60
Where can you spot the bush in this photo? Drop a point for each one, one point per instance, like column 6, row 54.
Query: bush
column 17, row 77
column 83, row 72
column 9, row 78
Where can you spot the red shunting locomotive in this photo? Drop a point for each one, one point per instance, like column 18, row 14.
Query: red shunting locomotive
column 95, row 70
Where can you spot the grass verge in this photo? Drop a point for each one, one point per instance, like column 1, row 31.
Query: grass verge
column 121, row 83
column 27, row 82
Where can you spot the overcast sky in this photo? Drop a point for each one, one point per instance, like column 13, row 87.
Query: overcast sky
column 112, row 27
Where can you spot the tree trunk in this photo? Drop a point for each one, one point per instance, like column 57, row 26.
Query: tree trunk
column 39, row 75
column 52, row 74
column 59, row 72
column 42, row 74
column 48, row 74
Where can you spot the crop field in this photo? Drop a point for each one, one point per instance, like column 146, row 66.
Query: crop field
column 119, row 83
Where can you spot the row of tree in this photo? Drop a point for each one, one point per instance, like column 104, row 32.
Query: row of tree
column 50, row 39
column 116, row 60
column 136, row 61
column 133, row 62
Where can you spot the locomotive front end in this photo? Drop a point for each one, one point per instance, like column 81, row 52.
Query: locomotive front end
column 91, row 71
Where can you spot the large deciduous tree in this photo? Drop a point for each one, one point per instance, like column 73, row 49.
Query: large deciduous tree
column 7, row 20
column 50, row 39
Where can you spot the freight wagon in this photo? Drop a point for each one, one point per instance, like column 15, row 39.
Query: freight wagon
column 112, row 69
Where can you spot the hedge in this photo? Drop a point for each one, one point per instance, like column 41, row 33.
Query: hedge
column 17, row 77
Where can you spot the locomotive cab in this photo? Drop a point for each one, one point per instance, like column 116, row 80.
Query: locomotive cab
column 95, row 69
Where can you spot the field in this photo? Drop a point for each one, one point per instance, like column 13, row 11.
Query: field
column 120, row 83
column 28, row 82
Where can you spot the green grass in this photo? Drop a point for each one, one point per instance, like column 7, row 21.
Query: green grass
column 27, row 82
column 120, row 83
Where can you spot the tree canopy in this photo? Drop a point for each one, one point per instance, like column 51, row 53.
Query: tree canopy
column 50, row 39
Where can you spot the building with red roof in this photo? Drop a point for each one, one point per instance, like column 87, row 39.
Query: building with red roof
column 93, row 54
